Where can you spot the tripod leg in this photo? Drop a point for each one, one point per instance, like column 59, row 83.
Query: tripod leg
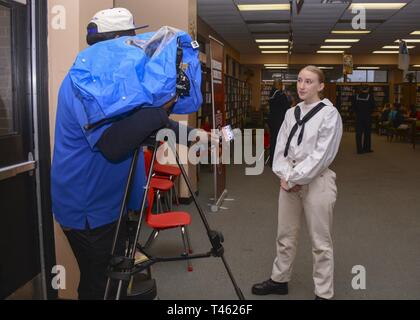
column 131, row 174
column 219, row 249
column 132, row 251
column 143, row 204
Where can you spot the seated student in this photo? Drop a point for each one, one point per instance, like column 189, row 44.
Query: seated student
column 396, row 117
column 385, row 112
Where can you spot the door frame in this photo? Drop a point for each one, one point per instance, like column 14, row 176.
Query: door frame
column 42, row 154
column 33, row 76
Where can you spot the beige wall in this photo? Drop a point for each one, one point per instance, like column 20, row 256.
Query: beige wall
column 158, row 13
column 63, row 47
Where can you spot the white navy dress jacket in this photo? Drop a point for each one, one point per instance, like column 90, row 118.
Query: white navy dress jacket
column 319, row 146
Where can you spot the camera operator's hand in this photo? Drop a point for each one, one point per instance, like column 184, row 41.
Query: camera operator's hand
column 168, row 105
column 205, row 137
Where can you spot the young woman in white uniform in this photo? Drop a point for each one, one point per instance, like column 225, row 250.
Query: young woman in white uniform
column 307, row 144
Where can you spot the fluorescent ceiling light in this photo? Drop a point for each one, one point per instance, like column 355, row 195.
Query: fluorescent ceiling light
column 350, row 31
column 409, row 40
column 264, row 7
column 273, row 47
column 385, row 52
column 397, row 47
column 416, row 65
column 377, row 6
column 281, row 51
column 271, row 40
column 335, row 47
column 342, row 40
column 368, row 68
column 275, row 65
column 326, row 68
column 275, row 68
column 330, row 51
column 415, row 33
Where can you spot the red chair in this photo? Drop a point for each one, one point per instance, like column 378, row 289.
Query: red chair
column 168, row 220
column 165, row 172
column 161, row 186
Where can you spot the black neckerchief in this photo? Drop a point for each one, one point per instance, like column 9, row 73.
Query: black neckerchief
column 299, row 123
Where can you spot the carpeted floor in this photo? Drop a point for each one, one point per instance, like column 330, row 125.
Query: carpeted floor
column 376, row 225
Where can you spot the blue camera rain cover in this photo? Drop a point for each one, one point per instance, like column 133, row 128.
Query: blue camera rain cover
column 115, row 77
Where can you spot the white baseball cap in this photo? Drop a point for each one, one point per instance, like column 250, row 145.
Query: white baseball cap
column 113, row 20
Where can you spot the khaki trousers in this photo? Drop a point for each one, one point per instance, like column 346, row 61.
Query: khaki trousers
column 316, row 201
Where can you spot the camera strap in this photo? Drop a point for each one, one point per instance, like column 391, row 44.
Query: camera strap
column 182, row 82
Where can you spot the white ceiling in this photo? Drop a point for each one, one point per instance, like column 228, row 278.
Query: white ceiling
column 311, row 27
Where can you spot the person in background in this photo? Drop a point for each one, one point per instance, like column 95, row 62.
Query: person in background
column 363, row 105
column 385, row 112
column 279, row 104
column 307, row 144
column 396, row 116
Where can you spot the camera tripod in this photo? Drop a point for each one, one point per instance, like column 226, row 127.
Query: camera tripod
column 123, row 268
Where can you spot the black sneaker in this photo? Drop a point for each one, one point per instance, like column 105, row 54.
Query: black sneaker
column 270, row 287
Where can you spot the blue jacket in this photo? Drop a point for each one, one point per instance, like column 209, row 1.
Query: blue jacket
column 86, row 188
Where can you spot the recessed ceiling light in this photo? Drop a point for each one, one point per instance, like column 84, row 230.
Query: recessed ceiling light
column 335, row 47
column 397, row 47
column 377, row 6
column 415, row 33
column 350, row 31
column 385, row 52
column 278, row 51
column 263, row 7
column 271, row 40
column 368, row 68
column 273, row 47
column 330, row 51
column 409, row 40
column 342, row 40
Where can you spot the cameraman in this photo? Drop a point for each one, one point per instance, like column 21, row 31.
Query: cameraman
column 89, row 172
